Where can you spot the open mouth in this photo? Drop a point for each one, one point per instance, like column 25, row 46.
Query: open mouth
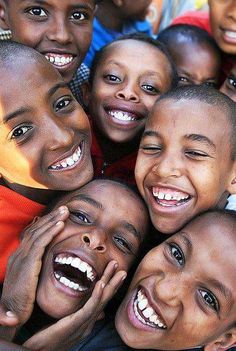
column 123, row 116
column 169, row 198
column 59, row 60
column 145, row 313
column 73, row 272
column 68, row 162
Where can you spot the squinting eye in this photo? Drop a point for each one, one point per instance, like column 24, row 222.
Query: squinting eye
column 78, row 16
column 122, row 244
column 210, row 84
column 20, row 131
column 210, row 299
column 177, row 254
column 80, row 216
column 150, row 89
column 63, row 103
column 112, row 78
column 183, row 79
column 37, row 11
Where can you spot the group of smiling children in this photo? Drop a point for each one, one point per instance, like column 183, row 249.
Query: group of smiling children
column 177, row 144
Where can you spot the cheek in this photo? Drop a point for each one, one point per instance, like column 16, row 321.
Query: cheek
column 83, row 37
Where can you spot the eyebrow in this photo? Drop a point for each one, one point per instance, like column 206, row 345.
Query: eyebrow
column 20, row 111
column 187, row 241
column 151, row 133
column 57, row 86
column 201, row 138
column 223, row 289
column 44, row 2
column 88, row 200
column 132, row 230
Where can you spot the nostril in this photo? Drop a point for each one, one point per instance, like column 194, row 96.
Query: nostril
column 86, row 239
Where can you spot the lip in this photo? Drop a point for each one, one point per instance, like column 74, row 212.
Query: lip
column 67, row 155
column 229, row 35
column 141, row 322
column 61, row 52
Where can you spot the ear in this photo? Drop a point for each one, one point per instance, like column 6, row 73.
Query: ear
column 3, row 16
column 86, row 92
column 232, row 180
column 224, row 342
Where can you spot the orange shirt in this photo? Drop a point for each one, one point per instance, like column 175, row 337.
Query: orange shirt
column 16, row 212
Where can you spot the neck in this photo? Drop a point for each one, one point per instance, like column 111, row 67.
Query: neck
column 108, row 15
column 42, row 196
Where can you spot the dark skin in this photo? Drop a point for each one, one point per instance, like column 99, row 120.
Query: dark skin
column 20, row 285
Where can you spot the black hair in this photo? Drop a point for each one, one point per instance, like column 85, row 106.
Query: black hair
column 210, row 96
column 139, row 37
column 190, row 33
column 218, row 214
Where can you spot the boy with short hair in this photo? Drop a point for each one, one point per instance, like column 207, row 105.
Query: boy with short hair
column 60, row 30
column 183, row 293
column 82, row 235
column 181, row 41
column 186, row 162
column 44, row 141
column 115, row 18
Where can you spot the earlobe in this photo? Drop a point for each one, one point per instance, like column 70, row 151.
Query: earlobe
column 232, row 181
column 225, row 342
column 3, row 21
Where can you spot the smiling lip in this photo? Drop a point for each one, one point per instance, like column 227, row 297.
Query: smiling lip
column 68, row 162
column 124, row 116
column 59, row 60
column 229, row 35
column 73, row 274
column 142, row 313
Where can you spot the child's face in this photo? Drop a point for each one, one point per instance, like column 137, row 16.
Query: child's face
column 60, row 30
column 223, row 24
column 44, row 133
column 136, row 10
column 202, row 68
column 229, row 86
column 96, row 232
column 183, row 287
column 184, row 165
column 126, row 84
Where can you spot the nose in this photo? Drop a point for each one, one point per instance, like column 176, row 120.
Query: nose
column 231, row 10
column 171, row 289
column 168, row 165
column 127, row 92
column 58, row 31
column 60, row 136
column 95, row 240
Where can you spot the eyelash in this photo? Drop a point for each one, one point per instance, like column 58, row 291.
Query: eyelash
column 232, row 82
column 80, row 216
column 213, row 303
column 112, row 78
column 39, row 9
column 150, row 89
column 63, row 103
column 177, row 254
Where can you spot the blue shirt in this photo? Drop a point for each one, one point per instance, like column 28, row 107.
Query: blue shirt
column 103, row 35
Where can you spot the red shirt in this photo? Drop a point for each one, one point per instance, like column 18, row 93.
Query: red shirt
column 122, row 169
column 201, row 19
column 16, row 212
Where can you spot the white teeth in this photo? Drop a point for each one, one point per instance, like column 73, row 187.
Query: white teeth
column 69, row 161
column 122, row 116
column 76, row 262
column 175, row 196
column 168, row 197
column 230, row 34
column 59, row 60
column 141, row 303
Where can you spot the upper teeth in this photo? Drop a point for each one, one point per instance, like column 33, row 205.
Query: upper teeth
column 230, row 34
column 148, row 312
column 76, row 262
column 59, row 60
column 123, row 116
column 160, row 195
column 67, row 282
column 69, row 161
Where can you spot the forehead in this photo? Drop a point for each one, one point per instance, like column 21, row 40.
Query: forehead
column 54, row 3
column 192, row 116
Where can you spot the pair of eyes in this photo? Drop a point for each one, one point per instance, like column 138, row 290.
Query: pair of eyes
column 157, row 149
column 119, row 240
column 41, row 13
column 185, row 80
column 149, row 88
column 60, row 105
column 207, row 296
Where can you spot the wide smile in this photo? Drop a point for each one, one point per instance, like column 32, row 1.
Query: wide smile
column 229, row 35
column 170, row 198
column 122, row 115
column 68, row 162
column 59, row 60
column 145, row 313
column 74, row 273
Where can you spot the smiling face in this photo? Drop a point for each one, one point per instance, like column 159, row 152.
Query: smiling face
column 229, row 86
column 178, row 289
column 223, row 24
column 202, row 68
column 44, row 133
column 184, row 165
column 126, row 84
column 96, row 232
column 60, row 30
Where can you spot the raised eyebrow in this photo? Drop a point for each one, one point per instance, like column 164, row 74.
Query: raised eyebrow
column 201, row 138
column 20, row 111
column 132, row 230
column 87, row 199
